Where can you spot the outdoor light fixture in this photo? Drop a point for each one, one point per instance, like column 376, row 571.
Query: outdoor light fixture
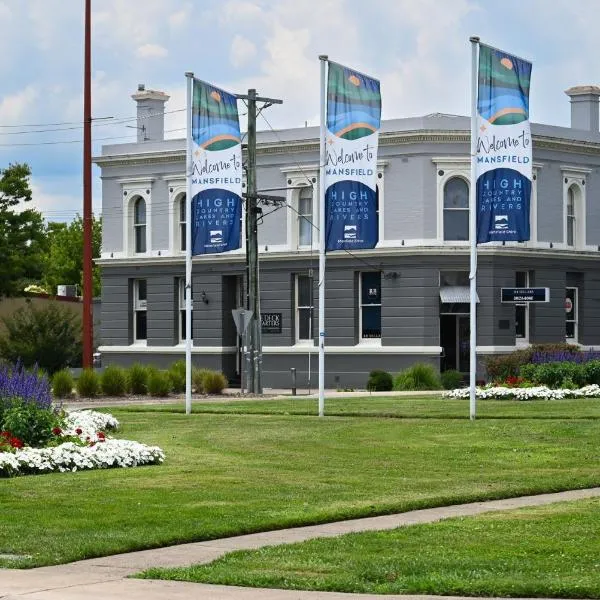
column 204, row 297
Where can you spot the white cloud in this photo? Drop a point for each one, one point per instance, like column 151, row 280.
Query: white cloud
column 15, row 107
column 242, row 52
column 151, row 51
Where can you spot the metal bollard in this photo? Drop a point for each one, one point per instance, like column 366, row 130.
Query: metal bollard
column 293, row 372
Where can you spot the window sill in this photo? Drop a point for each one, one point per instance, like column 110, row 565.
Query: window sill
column 369, row 342
column 140, row 343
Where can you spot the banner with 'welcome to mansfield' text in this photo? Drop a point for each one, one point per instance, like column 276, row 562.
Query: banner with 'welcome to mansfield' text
column 503, row 158
column 216, row 178
column 353, row 121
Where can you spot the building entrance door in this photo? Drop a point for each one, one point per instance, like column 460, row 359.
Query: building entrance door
column 455, row 342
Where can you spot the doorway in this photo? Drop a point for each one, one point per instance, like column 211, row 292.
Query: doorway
column 455, row 342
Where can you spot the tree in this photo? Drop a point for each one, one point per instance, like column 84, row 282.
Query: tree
column 64, row 259
column 22, row 232
column 49, row 337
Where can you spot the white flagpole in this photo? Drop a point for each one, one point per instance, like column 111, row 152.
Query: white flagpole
column 473, row 231
column 188, row 251
column 322, row 233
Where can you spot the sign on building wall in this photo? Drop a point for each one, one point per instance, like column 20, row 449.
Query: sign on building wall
column 216, row 178
column 504, row 157
column 525, row 294
column 353, row 121
column 270, row 322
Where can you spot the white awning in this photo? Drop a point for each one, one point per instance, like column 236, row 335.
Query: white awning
column 456, row 294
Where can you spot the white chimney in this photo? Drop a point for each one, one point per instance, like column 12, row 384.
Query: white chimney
column 150, row 114
column 584, row 107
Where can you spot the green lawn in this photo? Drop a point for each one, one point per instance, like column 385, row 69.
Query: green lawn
column 549, row 551
column 397, row 406
column 228, row 474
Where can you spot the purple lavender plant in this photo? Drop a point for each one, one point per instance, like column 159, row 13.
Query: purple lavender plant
column 29, row 386
column 565, row 356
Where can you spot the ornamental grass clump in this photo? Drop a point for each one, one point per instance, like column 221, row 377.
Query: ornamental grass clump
column 114, row 381
column 138, row 379
column 198, row 379
column 159, row 383
column 214, row 382
column 62, row 384
column 177, row 375
column 88, row 384
column 420, row 376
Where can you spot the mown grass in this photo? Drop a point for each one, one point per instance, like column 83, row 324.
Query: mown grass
column 229, row 474
column 427, row 407
column 550, row 551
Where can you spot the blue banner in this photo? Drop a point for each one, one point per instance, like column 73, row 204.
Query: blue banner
column 216, row 179
column 353, row 122
column 504, row 147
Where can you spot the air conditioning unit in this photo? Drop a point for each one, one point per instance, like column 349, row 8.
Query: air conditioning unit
column 66, row 290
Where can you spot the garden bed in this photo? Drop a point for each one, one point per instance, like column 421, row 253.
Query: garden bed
column 86, row 446
column 525, row 393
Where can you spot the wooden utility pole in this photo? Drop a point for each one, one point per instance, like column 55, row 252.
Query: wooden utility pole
column 254, row 375
column 87, row 321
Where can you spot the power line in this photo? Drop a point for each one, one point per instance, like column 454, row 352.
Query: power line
column 106, row 121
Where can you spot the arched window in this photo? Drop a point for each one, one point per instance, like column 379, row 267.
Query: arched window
column 182, row 222
column 139, row 225
column 456, row 209
column 305, row 216
column 571, row 217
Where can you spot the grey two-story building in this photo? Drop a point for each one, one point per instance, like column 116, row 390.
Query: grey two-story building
column 403, row 302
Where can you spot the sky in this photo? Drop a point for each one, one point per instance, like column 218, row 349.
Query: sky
column 419, row 49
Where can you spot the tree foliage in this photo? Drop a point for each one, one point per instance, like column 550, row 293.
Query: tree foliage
column 63, row 263
column 49, row 337
column 22, row 232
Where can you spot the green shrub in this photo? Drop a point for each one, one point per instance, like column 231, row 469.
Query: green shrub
column 562, row 374
column 420, row 376
column 114, row 381
column 88, row 384
column 380, row 381
column 30, row 423
column 49, row 337
column 502, row 366
column 63, row 384
column 214, row 382
column 177, row 375
column 198, row 379
column 591, row 371
column 137, row 376
column 451, row 379
column 159, row 382
column 528, row 372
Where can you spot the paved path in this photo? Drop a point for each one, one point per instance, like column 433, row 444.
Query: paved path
column 106, row 577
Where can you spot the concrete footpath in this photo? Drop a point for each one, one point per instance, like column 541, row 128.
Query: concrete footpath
column 106, row 577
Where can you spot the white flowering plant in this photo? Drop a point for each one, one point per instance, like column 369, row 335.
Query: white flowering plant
column 81, row 444
column 525, row 393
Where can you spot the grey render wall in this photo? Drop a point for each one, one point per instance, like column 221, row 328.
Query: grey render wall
column 550, row 203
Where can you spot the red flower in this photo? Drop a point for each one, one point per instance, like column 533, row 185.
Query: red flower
column 16, row 442
column 101, row 435
column 56, row 431
column 79, row 431
column 5, row 434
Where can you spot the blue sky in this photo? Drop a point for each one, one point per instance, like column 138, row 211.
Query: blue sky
column 419, row 50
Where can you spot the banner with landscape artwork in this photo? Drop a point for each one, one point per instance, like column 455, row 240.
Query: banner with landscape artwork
column 216, row 178
column 503, row 158
column 353, row 122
